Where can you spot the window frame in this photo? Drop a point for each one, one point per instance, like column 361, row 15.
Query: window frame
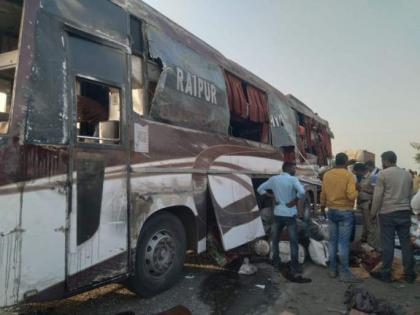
column 109, row 84
column 12, row 99
column 140, row 51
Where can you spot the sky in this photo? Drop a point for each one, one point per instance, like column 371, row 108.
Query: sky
column 356, row 63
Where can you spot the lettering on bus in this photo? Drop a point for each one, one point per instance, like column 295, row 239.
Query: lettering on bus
column 193, row 85
column 276, row 120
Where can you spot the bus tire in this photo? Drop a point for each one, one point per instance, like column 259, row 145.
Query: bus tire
column 160, row 255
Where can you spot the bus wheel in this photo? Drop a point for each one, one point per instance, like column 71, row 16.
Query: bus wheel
column 160, row 255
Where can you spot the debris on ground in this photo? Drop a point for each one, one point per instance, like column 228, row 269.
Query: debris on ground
column 319, row 228
column 361, row 300
column 284, row 250
column 261, row 247
column 397, row 270
column 360, row 272
column 318, row 251
column 247, row 268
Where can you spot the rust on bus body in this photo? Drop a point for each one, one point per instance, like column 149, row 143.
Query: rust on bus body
column 41, row 152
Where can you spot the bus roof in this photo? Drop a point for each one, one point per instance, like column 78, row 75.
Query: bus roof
column 145, row 12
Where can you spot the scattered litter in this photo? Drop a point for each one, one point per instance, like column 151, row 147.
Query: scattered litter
column 318, row 251
column 370, row 260
column 284, row 249
column 286, row 313
column 362, row 300
column 321, row 226
column 189, row 277
column 247, row 268
column 397, row 270
column 261, row 286
column 360, row 272
column 208, row 267
column 367, row 248
column 262, row 248
column 214, row 250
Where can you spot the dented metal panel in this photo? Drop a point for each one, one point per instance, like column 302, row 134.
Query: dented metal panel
column 97, row 17
column 47, row 99
column 181, row 35
column 283, row 122
column 191, row 91
column 46, row 94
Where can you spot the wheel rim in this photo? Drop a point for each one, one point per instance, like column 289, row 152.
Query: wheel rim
column 160, row 253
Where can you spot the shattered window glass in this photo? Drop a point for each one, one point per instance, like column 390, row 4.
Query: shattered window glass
column 98, row 113
column 137, row 86
column 6, row 91
column 137, row 42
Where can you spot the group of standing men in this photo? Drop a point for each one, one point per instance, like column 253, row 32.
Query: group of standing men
column 383, row 196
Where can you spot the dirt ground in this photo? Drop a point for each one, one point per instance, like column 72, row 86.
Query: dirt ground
column 221, row 292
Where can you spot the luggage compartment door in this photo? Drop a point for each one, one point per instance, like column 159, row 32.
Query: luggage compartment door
column 236, row 209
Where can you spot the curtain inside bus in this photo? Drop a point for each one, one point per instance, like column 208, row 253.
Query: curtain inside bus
column 236, row 96
column 258, row 111
column 251, row 106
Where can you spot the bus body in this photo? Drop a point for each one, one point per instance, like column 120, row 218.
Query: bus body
column 122, row 139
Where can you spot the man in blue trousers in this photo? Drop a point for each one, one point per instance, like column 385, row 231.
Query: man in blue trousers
column 286, row 190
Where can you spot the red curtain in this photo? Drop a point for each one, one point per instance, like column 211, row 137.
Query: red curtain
column 326, row 140
column 236, row 97
column 308, row 127
column 253, row 106
column 258, row 111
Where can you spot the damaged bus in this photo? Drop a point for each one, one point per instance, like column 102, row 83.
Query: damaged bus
column 123, row 140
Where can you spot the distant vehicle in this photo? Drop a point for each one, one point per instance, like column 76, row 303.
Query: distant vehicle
column 123, row 140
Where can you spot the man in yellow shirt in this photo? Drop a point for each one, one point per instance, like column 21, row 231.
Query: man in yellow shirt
column 338, row 195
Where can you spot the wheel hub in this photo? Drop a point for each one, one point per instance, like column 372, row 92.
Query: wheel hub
column 160, row 253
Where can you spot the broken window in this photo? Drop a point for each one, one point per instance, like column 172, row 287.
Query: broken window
column 137, row 82
column 98, row 112
column 6, row 90
column 137, row 85
column 136, row 31
column 249, row 110
column 10, row 16
column 141, row 102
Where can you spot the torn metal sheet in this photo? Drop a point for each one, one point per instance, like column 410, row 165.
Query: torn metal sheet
column 301, row 107
column 283, row 122
column 191, row 91
column 47, row 112
column 47, row 93
column 181, row 35
column 98, row 17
